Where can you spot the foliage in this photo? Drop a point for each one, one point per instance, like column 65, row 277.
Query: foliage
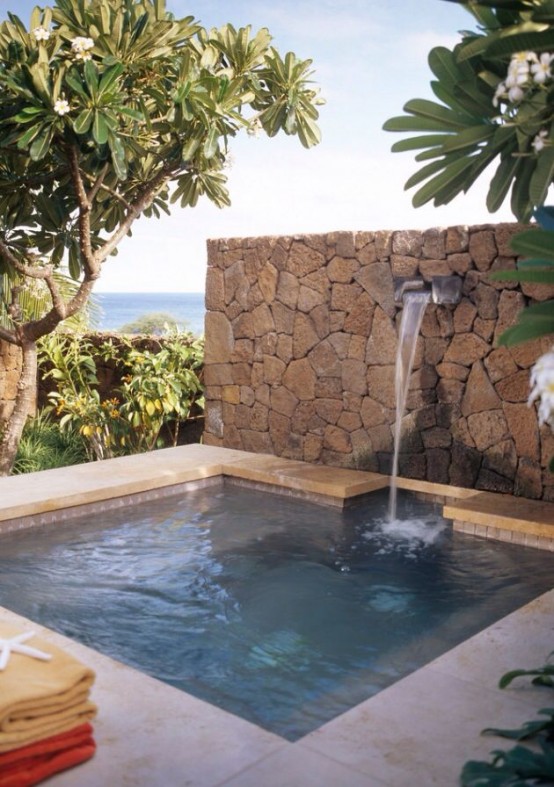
column 492, row 108
column 111, row 110
column 496, row 90
column 44, row 445
column 536, row 246
column 153, row 323
column 157, row 391
column 105, row 103
column 523, row 764
column 31, row 300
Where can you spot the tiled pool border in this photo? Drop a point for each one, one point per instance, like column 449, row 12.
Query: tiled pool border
column 400, row 737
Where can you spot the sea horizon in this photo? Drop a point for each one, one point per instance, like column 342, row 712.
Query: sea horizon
column 118, row 309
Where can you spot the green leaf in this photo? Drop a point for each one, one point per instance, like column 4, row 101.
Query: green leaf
column 27, row 114
column 109, row 77
column 73, row 79
column 100, row 128
column 542, row 176
column 450, row 175
column 211, row 144
column 41, row 145
column 415, row 143
column 501, row 182
column 26, row 138
column 521, row 42
column 538, row 276
column 469, row 138
column 534, row 243
column 436, row 112
column 91, row 77
column 443, row 65
column 83, row 122
column 524, row 330
column 413, row 123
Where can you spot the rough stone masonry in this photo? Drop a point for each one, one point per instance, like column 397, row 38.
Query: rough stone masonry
column 301, row 338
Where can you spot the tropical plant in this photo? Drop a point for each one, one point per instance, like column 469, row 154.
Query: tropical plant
column 159, row 389
column 111, row 110
column 495, row 105
column 45, row 445
column 530, row 762
column 496, row 94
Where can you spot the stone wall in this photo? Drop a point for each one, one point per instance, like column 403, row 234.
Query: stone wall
column 10, row 370
column 301, row 338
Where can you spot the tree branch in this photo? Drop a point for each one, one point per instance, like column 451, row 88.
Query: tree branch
column 8, row 336
column 91, row 265
column 97, row 185
column 58, row 303
column 134, row 211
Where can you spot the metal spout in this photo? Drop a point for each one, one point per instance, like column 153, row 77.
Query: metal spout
column 446, row 289
column 403, row 284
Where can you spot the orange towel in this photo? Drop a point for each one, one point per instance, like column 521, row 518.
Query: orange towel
column 65, row 740
column 34, row 769
column 39, row 699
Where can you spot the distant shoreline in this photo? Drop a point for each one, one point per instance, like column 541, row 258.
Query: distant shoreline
column 121, row 308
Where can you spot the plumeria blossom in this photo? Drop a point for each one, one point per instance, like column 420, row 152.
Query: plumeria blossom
column 41, row 34
column 542, row 382
column 61, row 106
column 541, row 69
column 540, row 141
column 525, row 71
column 80, row 46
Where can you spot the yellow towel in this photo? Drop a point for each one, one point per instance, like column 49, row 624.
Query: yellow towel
column 41, row 698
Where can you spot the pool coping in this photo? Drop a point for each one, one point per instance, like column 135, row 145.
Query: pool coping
column 423, row 727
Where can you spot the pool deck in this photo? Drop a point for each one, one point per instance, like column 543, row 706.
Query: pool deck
column 417, row 732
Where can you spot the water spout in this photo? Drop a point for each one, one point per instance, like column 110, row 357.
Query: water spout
column 412, row 315
column 446, row 289
column 443, row 289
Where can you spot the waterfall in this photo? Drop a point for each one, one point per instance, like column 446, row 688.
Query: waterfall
column 412, row 315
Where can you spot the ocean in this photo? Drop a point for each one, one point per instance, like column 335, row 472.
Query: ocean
column 117, row 309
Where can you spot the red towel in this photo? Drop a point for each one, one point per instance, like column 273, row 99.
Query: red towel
column 31, row 764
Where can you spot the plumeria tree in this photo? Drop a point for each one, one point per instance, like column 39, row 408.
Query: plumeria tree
column 111, row 110
column 495, row 108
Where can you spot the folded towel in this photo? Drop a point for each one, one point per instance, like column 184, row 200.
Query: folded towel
column 32, row 770
column 41, row 698
column 56, row 743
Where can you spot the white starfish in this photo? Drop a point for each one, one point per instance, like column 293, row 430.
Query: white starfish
column 14, row 645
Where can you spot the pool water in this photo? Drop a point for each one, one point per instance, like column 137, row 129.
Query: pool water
column 281, row 611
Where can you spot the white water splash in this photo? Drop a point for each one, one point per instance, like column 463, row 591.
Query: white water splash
column 406, row 536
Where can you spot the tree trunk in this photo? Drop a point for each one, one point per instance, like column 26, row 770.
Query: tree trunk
column 24, row 404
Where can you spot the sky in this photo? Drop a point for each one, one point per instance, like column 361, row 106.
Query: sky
column 369, row 58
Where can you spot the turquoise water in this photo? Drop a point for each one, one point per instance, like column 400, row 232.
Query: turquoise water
column 280, row 611
column 120, row 308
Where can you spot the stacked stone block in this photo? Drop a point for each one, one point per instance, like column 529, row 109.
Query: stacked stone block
column 301, row 341
column 10, row 371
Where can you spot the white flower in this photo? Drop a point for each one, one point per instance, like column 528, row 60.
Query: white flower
column 515, row 94
column 542, row 382
column 82, row 44
column 61, row 106
column 499, row 93
column 540, row 140
column 83, row 56
column 541, row 69
column 254, row 127
column 41, row 34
